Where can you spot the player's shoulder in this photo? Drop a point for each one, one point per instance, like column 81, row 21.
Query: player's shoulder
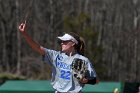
column 82, row 57
column 51, row 50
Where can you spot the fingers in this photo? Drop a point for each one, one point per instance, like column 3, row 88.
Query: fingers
column 25, row 22
column 22, row 26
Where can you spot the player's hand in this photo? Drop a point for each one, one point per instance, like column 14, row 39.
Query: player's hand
column 22, row 27
column 84, row 80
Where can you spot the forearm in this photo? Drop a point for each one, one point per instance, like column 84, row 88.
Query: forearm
column 34, row 45
column 92, row 81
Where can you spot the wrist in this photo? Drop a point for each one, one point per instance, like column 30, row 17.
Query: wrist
column 23, row 32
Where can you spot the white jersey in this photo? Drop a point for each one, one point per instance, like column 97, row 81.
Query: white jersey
column 62, row 77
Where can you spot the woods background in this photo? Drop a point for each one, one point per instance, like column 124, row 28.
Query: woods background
column 111, row 29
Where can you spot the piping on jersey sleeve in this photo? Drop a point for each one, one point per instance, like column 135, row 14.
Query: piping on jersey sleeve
column 49, row 56
column 91, row 69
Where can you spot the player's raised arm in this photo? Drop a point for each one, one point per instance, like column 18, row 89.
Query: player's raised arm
column 34, row 45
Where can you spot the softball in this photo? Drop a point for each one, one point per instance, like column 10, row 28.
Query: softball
column 116, row 90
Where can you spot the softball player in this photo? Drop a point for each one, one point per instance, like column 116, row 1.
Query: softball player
column 72, row 46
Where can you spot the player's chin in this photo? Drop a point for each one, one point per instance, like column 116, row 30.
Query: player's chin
column 64, row 49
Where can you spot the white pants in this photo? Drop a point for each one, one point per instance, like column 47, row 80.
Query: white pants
column 64, row 92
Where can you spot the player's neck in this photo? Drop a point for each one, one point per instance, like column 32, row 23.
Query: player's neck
column 71, row 53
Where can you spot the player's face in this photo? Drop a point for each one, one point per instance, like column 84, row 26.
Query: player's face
column 67, row 46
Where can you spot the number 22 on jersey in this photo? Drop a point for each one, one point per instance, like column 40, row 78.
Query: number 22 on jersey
column 65, row 74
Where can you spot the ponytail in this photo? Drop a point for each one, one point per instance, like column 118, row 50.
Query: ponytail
column 80, row 47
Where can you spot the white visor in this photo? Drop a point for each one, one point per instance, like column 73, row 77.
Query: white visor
column 67, row 37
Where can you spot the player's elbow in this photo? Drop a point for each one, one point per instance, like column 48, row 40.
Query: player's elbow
column 42, row 50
